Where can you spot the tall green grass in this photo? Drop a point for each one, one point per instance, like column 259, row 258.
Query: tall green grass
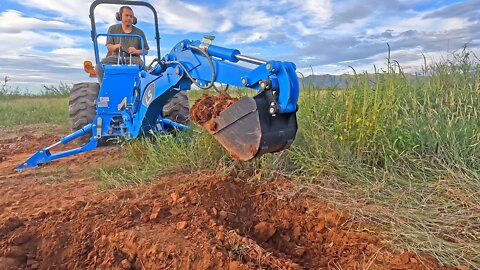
column 391, row 124
column 410, row 151
column 189, row 151
column 405, row 154
column 18, row 110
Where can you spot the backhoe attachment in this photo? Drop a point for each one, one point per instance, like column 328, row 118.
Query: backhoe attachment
column 254, row 126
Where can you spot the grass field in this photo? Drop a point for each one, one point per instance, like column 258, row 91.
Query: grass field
column 25, row 110
column 404, row 156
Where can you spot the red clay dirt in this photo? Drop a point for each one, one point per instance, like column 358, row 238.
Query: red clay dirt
column 53, row 218
column 207, row 107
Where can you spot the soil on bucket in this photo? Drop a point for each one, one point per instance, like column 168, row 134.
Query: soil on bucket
column 207, row 107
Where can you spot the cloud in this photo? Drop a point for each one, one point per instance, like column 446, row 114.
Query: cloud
column 327, row 35
column 65, row 9
column 469, row 10
column 409, row 33
column 15, row 22
column 265, row 18
column 15, row 45
column 74, row 11
column 178, row 16
column 38, row 70
column 41, row 57
column 71, row 57
column 348, row 12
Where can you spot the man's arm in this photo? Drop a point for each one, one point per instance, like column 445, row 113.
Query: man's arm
column 113, row 47
column 134, row 51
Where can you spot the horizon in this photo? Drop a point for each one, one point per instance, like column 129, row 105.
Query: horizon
column 46, row 43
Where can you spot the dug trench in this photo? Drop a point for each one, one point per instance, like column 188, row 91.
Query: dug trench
column 54, row 218
column 207, row 222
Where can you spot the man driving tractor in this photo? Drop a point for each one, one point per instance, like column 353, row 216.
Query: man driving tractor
column 120, row 47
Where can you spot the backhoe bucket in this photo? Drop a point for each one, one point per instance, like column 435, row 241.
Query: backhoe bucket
column 247, row 130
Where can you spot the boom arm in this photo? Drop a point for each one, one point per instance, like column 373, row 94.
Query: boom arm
column 278, row 78
column 250, row 127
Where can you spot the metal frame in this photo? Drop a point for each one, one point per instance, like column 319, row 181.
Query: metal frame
column 123, row 35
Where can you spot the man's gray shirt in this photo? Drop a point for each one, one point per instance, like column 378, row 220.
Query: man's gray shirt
column 126, row 42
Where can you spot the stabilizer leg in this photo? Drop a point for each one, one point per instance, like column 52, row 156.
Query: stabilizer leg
column 44, row 155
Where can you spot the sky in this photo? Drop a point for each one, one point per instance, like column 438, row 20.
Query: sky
column 45, row 42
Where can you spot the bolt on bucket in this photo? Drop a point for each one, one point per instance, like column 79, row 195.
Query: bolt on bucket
column 247, row 130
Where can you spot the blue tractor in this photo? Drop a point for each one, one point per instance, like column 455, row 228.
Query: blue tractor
column 133, row 101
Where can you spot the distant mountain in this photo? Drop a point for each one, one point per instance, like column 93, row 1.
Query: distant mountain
column 327, row 80
column 342, row 81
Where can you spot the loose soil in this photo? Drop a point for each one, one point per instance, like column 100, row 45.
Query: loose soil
column 54, row 218
column 207, row 107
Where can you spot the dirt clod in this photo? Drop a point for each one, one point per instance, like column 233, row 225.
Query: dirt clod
column 207, row 107
column 174, row 197
column 182, row 225
column 264, row 231
column 125, row 264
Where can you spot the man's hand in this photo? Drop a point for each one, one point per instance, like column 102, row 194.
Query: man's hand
column 133, row 50
column 114, row 47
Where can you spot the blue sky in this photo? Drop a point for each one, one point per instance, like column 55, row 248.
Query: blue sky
column 46, row 42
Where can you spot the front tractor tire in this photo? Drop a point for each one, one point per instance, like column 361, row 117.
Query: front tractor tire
column 82, row 107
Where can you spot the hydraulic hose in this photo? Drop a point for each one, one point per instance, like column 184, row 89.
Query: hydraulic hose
column 212, row 67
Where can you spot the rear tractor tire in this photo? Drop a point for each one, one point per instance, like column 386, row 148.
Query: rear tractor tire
column 82, row 107
column 177, row 108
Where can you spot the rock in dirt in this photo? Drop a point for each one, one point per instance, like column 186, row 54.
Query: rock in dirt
column 155, row 212
column 125, row 264
column 264, row 231
column 182, row 225
column 223, row 215
column 174, row 196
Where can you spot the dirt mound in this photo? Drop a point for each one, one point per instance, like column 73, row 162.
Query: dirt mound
column 25, row 143
column 207, row 107
column 52, row 217
column 209, row 223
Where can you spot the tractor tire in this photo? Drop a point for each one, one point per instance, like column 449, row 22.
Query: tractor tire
column 82, row 107
column 177, row 108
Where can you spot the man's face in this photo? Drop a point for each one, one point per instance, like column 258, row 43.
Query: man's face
column 127, row 16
